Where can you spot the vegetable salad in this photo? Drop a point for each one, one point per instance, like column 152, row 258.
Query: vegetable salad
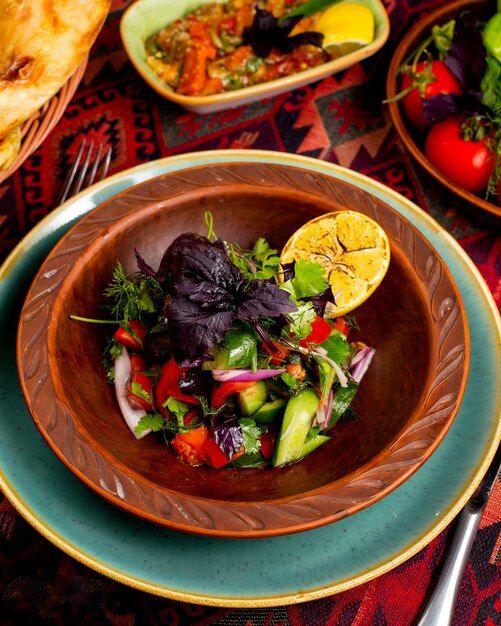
column 221, row 47
column 231, row 356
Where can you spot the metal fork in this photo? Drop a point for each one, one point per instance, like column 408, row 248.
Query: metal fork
column 86, row 167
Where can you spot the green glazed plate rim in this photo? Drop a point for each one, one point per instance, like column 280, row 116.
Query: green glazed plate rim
column 261, row 572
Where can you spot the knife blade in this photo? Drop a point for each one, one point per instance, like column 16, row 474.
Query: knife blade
column 438, row 609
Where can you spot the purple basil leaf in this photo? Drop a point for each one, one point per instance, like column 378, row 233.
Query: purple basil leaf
column 267, row 32
column 467, row 55
column 320, row 301
column 208, row 293
column 142, row 266
column 267, row 299
column 303, row 39
column 201, row 271
column 173, row 258
column 288, row 270
column 228, row 435
column 440, row 107
column 194, row 330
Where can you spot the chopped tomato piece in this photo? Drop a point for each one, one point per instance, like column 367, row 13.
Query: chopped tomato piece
column 296, row 370
column 320, row 330
column 222, row 392
column 194, row 75
column 228, row 24
column 137, row 362
column 279, row 354
column 133, row 340
column 267, row 444
column 190, row 416
column 167, row 385
column 341, row 325
column 216, row 458
column 190, row 446
column 236, row 60
column 142, row 397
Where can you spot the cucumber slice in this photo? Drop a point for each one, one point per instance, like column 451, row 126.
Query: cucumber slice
column 250, row 461
column 252, row 399
column 270, row 411
column 298, row 417
column 313, row 444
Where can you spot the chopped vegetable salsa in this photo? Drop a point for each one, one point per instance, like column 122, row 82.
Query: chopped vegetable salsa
column 231, row 356
column 220, row 47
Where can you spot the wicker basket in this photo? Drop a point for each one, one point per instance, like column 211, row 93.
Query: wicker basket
column 39, row 125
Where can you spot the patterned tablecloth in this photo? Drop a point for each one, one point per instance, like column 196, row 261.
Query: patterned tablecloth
column 340, row 119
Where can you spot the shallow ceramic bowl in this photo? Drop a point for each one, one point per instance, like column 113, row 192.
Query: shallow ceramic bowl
column 145, row 17
column 414, row 139
column 407, row 401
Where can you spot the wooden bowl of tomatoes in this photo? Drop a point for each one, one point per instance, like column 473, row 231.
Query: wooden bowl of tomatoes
column 437, row 88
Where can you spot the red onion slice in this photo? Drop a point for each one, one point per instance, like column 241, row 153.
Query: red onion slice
column 130, row 414
column 245, row 376
column 361, row 362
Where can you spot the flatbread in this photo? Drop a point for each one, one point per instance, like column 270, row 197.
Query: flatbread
column 42, row 42
column 9, row 148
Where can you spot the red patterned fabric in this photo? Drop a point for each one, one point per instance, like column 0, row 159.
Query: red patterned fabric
column 341, row 120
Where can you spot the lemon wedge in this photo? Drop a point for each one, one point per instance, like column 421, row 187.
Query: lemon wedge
column 352, row 248
column 346, row 27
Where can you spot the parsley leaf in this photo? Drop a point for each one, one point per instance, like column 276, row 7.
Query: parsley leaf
column 266, row 259
column 138, row 391
column 301, row 320
column 176, row 407
column 261, row 262
column 151, row 420
column 251, row 433
column 309, row 279
column 337, row 347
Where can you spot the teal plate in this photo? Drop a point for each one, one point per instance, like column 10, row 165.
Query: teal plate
column 299, row 567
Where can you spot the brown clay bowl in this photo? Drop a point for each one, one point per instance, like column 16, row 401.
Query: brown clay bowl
column 407, row 401
column 413, row 139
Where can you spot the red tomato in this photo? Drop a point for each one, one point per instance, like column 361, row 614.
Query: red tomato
column 137, row 362
column 167, row 385
column 222, row 392
column 341, row 325
column 320, row 330
column 216, row 458
column 412, row 103
column 465, row 162
column 267, row 444
column 133, row 340
column 190, row 445
column 296, row 371
column 499, row 190
column 279, row 354
column 145, row 384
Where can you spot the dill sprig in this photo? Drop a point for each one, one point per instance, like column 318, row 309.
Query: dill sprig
column 132, row 295
column 125, row 294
